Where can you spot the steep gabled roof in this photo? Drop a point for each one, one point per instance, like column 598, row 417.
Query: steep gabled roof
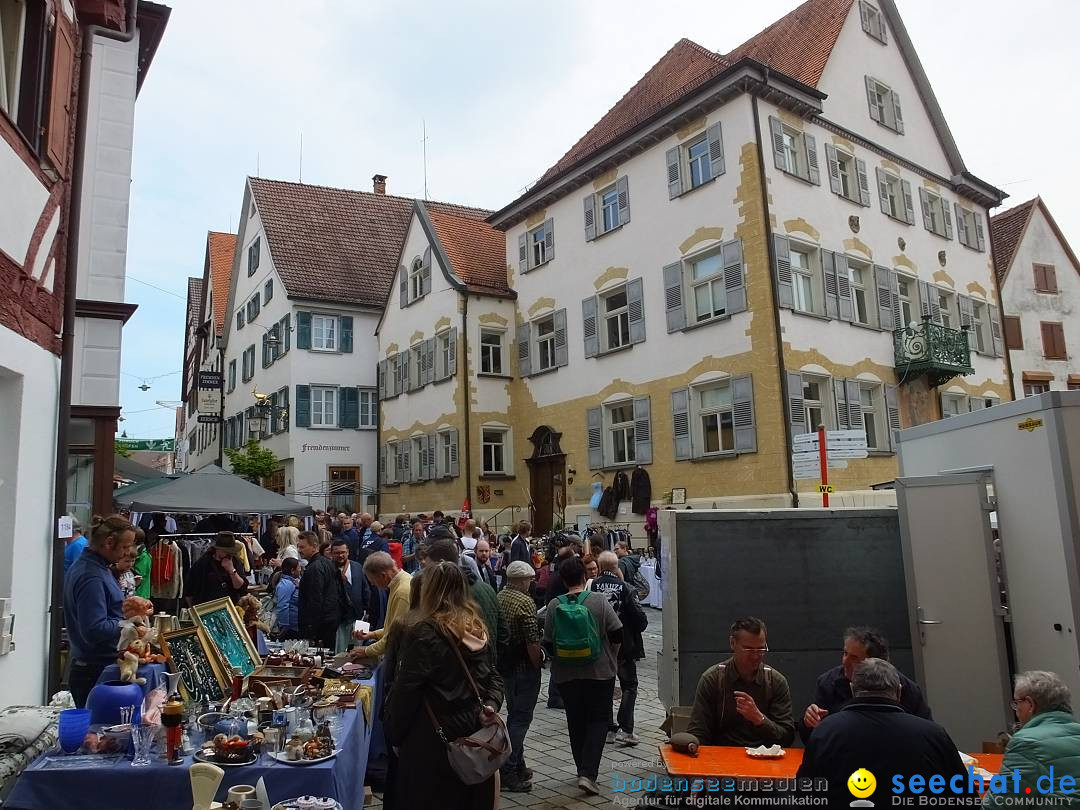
column 336, row 244
column 194, row 299
column 475, row 250
column 1007, row 231
column 219, row 250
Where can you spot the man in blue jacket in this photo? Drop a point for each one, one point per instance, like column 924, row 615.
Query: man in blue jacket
column 94, row 605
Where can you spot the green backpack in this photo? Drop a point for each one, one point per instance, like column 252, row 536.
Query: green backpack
column 577, row 641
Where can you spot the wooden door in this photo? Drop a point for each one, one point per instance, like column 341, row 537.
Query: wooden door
column 547, row 490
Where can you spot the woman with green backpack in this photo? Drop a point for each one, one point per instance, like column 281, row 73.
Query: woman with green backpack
column 582, row 635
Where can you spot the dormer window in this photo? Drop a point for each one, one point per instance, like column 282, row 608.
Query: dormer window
column 873, row 21
column 884, row 105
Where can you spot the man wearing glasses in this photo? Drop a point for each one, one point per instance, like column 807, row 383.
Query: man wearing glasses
column 742, row 701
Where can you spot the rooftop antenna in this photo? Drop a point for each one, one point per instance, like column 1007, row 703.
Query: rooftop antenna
column 256, row 164
column 423, row 141
column 301, row 156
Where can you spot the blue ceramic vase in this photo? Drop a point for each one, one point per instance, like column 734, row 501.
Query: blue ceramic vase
column 106, row 700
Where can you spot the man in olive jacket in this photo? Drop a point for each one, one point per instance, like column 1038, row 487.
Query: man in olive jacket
column 1048, row 741
column 741, row 701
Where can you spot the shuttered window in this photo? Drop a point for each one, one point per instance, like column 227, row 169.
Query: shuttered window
column 706, row 286
column 847, row 175
column 714, row 420
column 1014, row 336
column 969, row 228
column 253, row 255
column 619, row 434
column 884, row 105
column 937, row 218
column 607, row 210
column 542, row 344
column 873, row 21
column 614, row 319
column 696, row 162
column 1045, row 278
column 1053, row 338
column 895, row 196
column 536, row 246
column 795, row 151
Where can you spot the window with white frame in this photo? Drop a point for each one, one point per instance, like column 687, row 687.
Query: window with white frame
column 953, row 404
column 268, row 291
column 848, row 175
column 491, row 351
column 873, row 21
column 420, row 462
column 442, row 347
column 445, row 451
column 415, row 371
column 698, row 162
column 253, row 255
column 416, row 279
column 872, row 402
column 936, row 213
column 323, row 411
column 494, row 451
column 863, row 302
column 979, row 327
column 884, row 105
column 620, row 430
column 545, row 343
column 706, row 283
column 240, row 318
column 893, row 195
column 393, row 474
column 615, row 312
column 715, row 423
column 248, row 363
column 1032, row 388
column 969, row 225
column 804, row 279
column 944, row 306
column 369, row 408
column 817, row 403
column 392, row 384
column 609, row 208
column 253, row 308
column 906, row 289
column 323, row 332
column 538, row 245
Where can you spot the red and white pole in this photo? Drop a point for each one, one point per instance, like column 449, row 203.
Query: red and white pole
column 823, row 456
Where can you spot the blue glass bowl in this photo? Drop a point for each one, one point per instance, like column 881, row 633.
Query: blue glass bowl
column 74, row 723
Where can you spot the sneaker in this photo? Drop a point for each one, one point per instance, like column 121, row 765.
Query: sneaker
column 626, row 738
column 525, row 774
column 588, row 785
column 515, row 784
column 610, row 738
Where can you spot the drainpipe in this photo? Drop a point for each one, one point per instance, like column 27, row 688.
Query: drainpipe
column 780, row 364
column 67, row 335
column 467, row 444
column 1001, row 307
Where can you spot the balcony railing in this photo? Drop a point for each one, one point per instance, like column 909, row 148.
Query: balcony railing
column 933, row 350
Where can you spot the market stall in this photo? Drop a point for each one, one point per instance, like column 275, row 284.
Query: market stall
column 207, row 491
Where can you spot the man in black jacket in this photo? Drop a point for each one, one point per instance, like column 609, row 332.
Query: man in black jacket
column 834, row 685
column 634, row 621
column 873, row 732
column 217, row 573
column 357, row 592
column 322, row 594
column 519, row 546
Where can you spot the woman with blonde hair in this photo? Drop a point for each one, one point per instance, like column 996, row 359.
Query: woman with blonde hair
column 442, row 635
column 287, row 538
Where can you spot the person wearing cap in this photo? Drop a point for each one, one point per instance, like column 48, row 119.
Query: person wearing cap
column 75, row 545
column 217, row 573
column 519, row 664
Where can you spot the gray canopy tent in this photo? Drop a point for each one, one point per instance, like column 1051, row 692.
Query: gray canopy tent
column 210, row 490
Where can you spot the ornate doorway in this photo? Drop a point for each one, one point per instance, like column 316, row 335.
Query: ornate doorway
column 547, row 480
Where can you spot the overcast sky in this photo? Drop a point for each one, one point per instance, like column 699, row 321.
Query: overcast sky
column 505, row 89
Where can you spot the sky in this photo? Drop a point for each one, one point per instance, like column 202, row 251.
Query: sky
column 504, row 89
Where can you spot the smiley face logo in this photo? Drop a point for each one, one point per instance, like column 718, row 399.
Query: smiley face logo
column 862, row 783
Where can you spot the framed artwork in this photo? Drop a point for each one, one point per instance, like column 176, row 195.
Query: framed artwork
column 678, row 495
column 224, row 629
column 201, row 677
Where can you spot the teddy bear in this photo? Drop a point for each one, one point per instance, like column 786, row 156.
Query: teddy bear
column 136, row 638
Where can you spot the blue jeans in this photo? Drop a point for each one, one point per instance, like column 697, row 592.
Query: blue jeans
column 522, row 690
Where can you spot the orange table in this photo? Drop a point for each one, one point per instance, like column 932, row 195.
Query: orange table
column 731, row 761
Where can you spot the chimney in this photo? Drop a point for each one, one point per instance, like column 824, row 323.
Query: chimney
column 379, row 183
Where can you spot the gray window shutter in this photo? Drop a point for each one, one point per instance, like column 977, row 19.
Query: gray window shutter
column 673, row 297
column 894, row 288
column 840, row 400
column 947, row 216
column 832, row 303
column 734, row 278
column 590, row 217
column 967, row 311
column 405, row 364
column 401, row 378
column 924, row 203
column 635, row 304
column 403, row 285
column 594, row 423
column 523, row 253
column 303, row 330
column 622, row 186
column 382, row 466
column 870, row 97
column 742, row 397
column 843, row 289
column 673, row 157
column 980, row 237
column 380, row 374
column 892, row 414
column 588, row 326
column 522, row 337
column 796, row 410
column 896, row 111
column 428, row 355
column 549, row 239
column 961, row 225
column 680, row 423
column 834, row 169
column 854, row 404
column 265, row 350
column 405, row 461
column 432, row 453
column 425, row 284
column 864, row 16
column 561, row 358
column 995, row 331
column 451, row 368
column 883, row 32
column 348, row 407
column 884, row 291
column 642, row 431
column 883, row 191
column 777, row 131
column 813, row 172
column 345, row 328
column 303, row 406
column 924, row 300
column 715, row 137
column 976, row 404
column 864, row 182
column 785, row 286
column 455, row 464
column 420, row 467
column 909, row 203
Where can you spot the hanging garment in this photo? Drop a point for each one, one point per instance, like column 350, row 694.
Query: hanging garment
column 166, row 576
column 652, row 525
column 609, row 504
column 640, row 491
column 621, row 485
column 597, row 494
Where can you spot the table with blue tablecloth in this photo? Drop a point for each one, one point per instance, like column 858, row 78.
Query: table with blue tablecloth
column 114, row 784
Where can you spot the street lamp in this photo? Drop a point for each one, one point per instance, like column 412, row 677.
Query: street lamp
column 265, row 409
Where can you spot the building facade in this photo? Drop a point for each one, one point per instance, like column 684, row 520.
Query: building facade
column 69, row 77
column 1039, row 277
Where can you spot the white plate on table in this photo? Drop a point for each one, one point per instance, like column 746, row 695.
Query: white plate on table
column 763, row 752
column 280, row 756
column 199, row 757
column 291, row 803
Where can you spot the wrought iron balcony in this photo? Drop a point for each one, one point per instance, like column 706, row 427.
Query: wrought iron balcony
column 932, row 350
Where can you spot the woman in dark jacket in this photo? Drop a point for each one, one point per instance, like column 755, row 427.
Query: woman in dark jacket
column 428, row 670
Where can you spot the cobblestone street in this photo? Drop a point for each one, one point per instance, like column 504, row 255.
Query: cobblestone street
column 547, row 747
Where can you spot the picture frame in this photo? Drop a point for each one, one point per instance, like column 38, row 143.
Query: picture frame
column 224, row 629
column 188, row 652
column 678, row 495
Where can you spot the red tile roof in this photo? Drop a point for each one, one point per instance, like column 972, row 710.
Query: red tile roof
column 335, row 244
column 477, row 252
column 1006, row 229
column 220, row 247
column 798, row 45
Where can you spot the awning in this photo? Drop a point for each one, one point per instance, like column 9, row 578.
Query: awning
column 208, row 491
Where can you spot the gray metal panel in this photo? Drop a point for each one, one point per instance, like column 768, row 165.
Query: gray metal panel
column 1006, row 410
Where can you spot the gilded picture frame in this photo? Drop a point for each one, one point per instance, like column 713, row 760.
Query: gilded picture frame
column 224, row 628
column 188, row 652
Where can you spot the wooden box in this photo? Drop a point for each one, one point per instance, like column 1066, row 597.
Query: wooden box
column 294, row 675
